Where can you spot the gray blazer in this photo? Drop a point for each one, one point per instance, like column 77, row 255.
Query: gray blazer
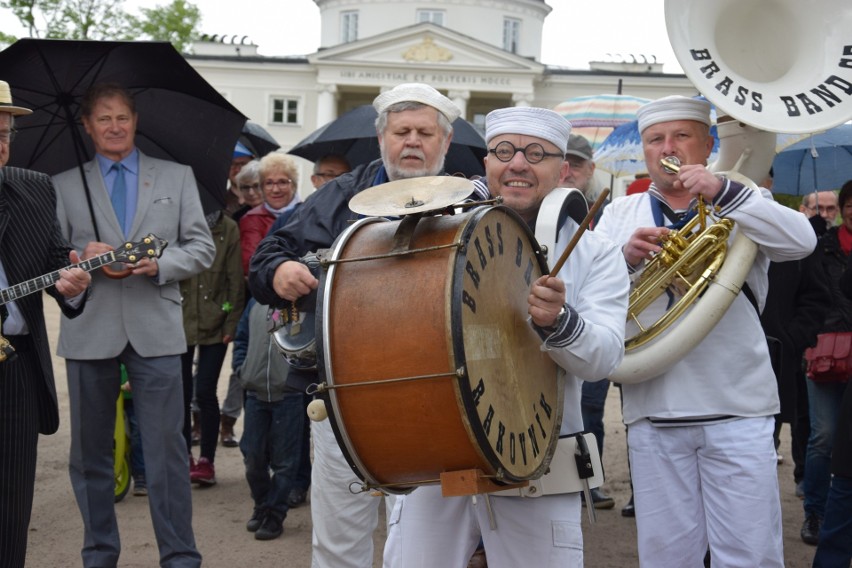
column 143, row 311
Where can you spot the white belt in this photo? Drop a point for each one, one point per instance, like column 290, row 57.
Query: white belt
column 562, row 477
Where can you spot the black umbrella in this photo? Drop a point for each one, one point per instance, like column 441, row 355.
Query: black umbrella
column 181, row 116
column 353, row 135
column 258, row 139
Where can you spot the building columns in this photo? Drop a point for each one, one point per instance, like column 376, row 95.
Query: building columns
column 326, row 103
column 460, row 99
column 523, row 99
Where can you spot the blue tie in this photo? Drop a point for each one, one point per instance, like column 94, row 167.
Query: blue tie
column 119, row 195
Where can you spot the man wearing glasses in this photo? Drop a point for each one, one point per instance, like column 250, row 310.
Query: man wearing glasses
column 31, row 245
column 822, row 203
column 329, row 167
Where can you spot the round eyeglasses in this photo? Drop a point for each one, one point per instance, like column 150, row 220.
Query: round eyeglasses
column 534, row 153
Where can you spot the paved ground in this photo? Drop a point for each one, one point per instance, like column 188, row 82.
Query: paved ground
column 220, row 512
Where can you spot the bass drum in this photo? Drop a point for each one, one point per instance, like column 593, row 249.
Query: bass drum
column 429, row 360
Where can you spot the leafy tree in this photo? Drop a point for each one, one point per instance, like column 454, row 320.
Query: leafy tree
column 177, row 22
column 72, row 19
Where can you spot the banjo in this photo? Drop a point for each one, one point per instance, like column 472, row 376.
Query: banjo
column 150, row 246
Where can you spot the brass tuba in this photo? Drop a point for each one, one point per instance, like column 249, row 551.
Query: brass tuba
column 772, row 66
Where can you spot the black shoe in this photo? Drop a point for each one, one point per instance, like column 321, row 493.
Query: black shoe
column 599, row 498
column 271, row 528
column 810, row 529
column 256, row 520
column 629, row 510
column 297, row 497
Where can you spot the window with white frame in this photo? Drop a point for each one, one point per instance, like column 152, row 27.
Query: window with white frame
column 511, row 34
column 434, row 16
column 348, row 26
column 284, row 110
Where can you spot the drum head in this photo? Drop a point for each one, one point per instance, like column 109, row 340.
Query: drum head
column 510, row 392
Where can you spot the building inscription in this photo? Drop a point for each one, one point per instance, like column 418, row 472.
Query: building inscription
column 426, row 77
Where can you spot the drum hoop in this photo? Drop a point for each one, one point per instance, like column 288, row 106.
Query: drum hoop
column 472, row 422
column 324, row 365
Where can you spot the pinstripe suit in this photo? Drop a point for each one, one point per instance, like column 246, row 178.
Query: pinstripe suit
column 31, row 244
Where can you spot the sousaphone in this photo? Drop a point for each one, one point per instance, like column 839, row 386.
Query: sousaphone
column 770, row 66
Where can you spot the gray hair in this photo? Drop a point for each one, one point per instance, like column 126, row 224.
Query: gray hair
column 249, row 173
column 382, row 119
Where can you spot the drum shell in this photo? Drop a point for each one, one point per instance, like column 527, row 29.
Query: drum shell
column 404, row 316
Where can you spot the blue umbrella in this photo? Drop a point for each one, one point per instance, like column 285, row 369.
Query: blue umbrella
column 817, row 163
column 621, row 153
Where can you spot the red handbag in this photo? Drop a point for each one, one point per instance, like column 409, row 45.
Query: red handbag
column 830, row 360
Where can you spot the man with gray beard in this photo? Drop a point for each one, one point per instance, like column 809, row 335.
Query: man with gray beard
column 414, row 128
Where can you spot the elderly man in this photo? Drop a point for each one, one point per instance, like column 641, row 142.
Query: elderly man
column 579, row 316
column 581, row 165
column 821, row 204
column 329, row 167
column 414, row 129
column 31, row 245
column 701, row 451
column 136, row 321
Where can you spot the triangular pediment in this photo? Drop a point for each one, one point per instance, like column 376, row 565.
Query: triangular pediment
column 427, row 45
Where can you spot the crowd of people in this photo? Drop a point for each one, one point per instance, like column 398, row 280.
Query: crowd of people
column 703, row 434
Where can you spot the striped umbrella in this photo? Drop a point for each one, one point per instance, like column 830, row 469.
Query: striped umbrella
column 621, row 153
column 596, row 116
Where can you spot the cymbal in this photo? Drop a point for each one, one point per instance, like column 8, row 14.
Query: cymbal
column 413, row 195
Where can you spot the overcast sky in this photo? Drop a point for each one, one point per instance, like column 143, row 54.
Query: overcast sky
column 575, row 32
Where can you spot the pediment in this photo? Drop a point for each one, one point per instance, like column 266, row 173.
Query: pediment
column 424, row 44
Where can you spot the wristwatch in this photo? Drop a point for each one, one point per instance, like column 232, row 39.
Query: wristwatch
column 557, row 322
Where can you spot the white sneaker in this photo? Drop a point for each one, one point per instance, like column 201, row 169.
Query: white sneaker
column 779, row 458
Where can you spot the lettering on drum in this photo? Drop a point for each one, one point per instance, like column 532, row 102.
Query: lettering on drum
column 514, row 397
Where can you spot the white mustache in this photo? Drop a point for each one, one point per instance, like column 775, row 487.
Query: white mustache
column 413, row 153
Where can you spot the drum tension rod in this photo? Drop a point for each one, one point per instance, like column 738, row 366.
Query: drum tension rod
column 324, row 387
column 393, row 254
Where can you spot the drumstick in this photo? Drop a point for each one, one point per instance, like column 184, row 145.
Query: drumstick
column 579, row 232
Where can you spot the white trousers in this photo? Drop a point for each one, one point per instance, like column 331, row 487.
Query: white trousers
column 343, row 522
column 715, row 484
column 427, row 530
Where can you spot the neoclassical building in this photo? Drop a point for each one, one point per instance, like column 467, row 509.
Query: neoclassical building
column 483, row 54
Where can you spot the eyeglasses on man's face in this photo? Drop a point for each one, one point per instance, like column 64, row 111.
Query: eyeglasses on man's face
column 249, row 187
column 327, row 175
column 282, row 182
column 823, row 209
column 534, row 153
column 7, row 136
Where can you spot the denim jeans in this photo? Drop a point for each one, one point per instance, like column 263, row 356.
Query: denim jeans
column 137, row 458
column 824, row 408
column 272, row 441
column 835, row 539
column 592, row 407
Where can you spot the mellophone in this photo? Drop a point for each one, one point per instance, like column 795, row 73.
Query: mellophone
column 426, row 361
